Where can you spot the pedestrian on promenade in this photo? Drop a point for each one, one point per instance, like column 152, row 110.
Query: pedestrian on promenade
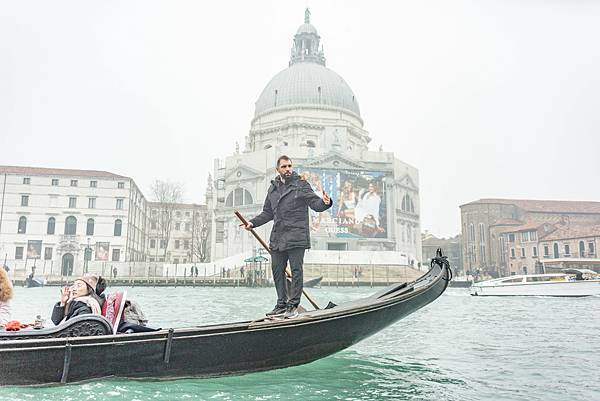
column 287, row 202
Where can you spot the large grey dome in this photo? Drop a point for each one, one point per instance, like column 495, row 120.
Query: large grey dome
column 307, row 83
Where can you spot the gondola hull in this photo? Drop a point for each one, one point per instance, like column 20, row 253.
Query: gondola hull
column 215, row 350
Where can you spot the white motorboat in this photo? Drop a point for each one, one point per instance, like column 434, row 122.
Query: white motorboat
column 572, row 283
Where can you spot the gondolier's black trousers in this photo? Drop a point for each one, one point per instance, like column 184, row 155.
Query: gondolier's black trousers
column 279, row 261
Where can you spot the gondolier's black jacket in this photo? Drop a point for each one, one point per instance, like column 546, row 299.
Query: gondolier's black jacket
column 287, row 205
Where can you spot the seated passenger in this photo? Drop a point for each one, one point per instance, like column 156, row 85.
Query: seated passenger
column 79, row 299
column 134, row 320
column 6, row 293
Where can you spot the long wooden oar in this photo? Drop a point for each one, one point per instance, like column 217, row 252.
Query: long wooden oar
column 264, row 244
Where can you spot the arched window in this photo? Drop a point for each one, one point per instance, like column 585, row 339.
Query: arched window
column 70, row 225
column 555, row 250
column 407, row 204
column 51, row 226
column 90, row 227
column 239, row 197
column 118, row 226
column 22, row 229
column 247, row 197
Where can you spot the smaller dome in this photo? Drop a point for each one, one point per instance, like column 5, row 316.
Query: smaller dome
column 306, row 28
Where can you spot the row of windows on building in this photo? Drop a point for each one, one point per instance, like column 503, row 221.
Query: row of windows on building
column 308, row 143
column 556, row 250
column 178, row 226
column 19, row 250
column 471, row 232
column 70, row 226
column 74, row 183
column 407, row 204
column 73, row 202
column 163, row 244
column 177, row 213
column 409, row 234
column 526, row 236
column 162, row 259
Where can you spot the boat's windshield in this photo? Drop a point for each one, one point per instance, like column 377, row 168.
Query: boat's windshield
column 513, row 280
column 545, row 278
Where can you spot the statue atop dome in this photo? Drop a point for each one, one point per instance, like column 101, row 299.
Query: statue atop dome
column 306, row 44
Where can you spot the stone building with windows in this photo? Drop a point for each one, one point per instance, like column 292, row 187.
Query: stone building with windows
column 308, row 112
column 178, row 233
column 59, row 219
column 487, row 225
column 451, row 247
column 522, row 248
column 543, row 247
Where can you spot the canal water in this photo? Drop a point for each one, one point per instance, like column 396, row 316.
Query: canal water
column 457, row 348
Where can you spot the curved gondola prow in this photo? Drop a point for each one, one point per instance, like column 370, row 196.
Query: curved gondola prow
column 437, row 266
column 442, row 262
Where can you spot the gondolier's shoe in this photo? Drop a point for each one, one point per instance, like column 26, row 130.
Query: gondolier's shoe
column 291, row 312
column 277, row 311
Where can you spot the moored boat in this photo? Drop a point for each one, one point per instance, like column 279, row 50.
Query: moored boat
column 31, row 282
column 315, row 282
column 572, row 283
column 63, row 354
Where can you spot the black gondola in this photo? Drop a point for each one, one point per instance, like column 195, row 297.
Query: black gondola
column 82, row 349
column 32, row 282
column 313, row 282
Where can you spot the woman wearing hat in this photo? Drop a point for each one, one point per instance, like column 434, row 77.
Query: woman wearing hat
column 79, row 299
column 6, row 293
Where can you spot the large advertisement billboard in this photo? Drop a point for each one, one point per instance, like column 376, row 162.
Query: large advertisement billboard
column 34, row 249
column 102, row 250
column 359, row 207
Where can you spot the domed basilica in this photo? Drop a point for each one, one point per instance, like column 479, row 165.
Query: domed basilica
column 309, row 113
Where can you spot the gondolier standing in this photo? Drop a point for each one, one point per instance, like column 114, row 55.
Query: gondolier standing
column 287, row 203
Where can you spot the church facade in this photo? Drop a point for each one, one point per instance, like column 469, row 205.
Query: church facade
column 309, row 113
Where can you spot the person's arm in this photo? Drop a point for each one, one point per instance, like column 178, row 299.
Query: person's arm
column 313, row 200
column 265, row 216
column 58, row 313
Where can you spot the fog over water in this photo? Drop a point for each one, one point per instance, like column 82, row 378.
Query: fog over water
column 485, row 98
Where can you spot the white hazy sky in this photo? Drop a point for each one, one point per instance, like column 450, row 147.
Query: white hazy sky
column 486, row 98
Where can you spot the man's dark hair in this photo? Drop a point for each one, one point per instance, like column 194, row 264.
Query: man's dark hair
column 282, row 157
